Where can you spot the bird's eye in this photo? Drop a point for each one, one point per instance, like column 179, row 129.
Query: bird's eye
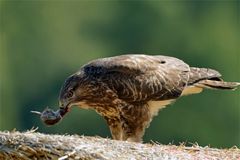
column 70, row 94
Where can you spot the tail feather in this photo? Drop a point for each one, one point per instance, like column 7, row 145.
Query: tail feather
column 209, row 78
column 214, row 84
column 198, row 74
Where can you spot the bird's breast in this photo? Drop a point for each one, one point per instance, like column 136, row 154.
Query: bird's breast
column 101, row 108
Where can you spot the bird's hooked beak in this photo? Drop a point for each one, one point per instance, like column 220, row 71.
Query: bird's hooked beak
column 64, row 107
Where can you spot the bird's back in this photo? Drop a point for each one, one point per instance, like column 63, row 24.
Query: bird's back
column 141, row 77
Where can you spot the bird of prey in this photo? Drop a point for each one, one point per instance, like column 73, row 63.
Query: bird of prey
column 129, row 90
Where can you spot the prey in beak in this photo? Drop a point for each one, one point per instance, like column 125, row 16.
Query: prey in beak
column 66, row 100
column 51, row 117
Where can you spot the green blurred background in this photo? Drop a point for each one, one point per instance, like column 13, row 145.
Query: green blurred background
column 43, row 42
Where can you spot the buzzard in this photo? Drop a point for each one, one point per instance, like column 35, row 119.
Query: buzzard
column 129, row 90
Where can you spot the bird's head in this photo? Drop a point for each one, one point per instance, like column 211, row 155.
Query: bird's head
column 69, row 94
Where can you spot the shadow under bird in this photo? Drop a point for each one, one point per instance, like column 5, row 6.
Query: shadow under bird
column 129, row 90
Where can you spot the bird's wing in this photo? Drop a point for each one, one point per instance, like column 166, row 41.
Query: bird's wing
column 127, row 64
column 141, row 77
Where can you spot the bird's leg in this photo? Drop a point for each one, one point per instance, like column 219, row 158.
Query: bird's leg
column 115, row 127
column 135, row 119
column 132, row 131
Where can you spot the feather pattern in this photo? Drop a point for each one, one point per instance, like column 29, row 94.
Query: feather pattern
column 141, row 77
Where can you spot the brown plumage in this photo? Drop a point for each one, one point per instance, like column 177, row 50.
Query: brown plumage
column 129, row 90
